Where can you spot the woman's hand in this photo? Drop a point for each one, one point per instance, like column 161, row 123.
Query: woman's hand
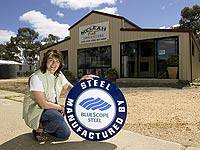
column 62, row 109
column 88, row 77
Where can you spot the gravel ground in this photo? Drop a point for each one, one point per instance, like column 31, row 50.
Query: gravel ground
column 166, row 113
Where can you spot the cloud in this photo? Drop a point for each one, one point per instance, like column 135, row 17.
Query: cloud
column 173, row 26
column 43, row 25
column 164, row 27
column 163, row 7
column 59, row 14
column 109, row 10
column 5, row 35
column 169, row 4
column 78, row 4
column 176, row 25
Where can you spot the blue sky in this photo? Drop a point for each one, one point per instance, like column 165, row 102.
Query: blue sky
column 56, row 16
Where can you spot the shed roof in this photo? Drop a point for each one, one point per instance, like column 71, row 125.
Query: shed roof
column 105, row 14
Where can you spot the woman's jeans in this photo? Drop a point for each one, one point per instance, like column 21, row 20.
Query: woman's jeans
column 53, row 123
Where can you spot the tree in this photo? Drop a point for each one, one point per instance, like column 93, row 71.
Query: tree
column 24, row 47
column 51, row 39
column 12, row 52
column 2, row 51
column 25, row 41
column 9, row 51
column 190, row 19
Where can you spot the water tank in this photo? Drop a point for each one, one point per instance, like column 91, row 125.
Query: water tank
column 8, row 71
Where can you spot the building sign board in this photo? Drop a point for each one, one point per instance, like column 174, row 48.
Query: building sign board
column 94, row 33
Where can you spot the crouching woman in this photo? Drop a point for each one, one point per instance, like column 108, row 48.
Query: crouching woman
column 42, row 110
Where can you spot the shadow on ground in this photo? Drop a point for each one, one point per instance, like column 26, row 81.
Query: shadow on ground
column 26, row 141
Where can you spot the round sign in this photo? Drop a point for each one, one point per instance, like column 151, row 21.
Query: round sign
column 95, row 109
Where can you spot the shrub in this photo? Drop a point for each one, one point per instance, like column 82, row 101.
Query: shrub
column 173, row 61
column 68, row 74
column 111, row 74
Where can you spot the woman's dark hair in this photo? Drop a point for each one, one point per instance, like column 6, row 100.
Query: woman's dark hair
column 52, row 53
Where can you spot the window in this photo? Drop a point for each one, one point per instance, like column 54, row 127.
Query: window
column 94, row 60
column 129, row 52
column 144, row 66
column 65, row 58
column 148, row 58
column 20, row 67
column 166, row 48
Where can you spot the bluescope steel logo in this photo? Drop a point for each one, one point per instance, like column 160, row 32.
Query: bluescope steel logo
column 95, row 109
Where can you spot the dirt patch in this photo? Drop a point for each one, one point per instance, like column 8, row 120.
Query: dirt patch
column 169, row 114
column 165, row 113
column 16, row 85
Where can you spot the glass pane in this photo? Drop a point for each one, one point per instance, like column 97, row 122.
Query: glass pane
column 94, row 60
column 165, row 48
column 147, row 58
column 65, row 58
column 129, row 59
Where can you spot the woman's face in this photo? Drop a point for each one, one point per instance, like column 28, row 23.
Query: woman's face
column 52, row 64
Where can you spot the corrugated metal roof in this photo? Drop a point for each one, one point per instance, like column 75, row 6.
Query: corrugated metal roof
column 9, row 62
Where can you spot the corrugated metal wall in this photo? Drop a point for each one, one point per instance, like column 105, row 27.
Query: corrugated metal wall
column 116, row 36
column 8, row 71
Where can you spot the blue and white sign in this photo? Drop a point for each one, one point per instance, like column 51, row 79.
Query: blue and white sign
column 96, row 109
